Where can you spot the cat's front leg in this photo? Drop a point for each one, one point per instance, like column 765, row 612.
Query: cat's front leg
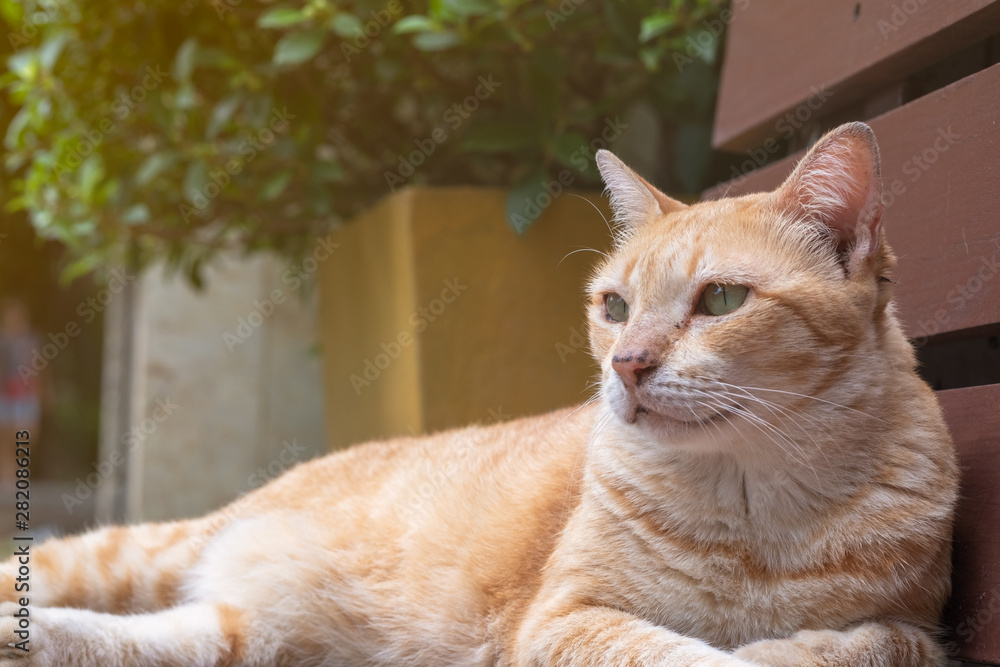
column 593, row 636
column 889, row 643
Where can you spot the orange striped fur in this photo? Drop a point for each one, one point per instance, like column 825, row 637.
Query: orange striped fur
column 771, row 486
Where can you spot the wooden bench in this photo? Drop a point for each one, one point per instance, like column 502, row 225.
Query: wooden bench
column 924, row 75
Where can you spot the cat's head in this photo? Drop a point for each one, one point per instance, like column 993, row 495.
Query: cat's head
column 748, row 313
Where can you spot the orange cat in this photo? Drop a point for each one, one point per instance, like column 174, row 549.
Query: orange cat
column 763, row 479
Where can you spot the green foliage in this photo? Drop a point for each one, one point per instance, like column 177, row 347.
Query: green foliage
column 171, row 128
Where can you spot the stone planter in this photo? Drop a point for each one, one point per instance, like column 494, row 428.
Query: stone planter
column 434, row 314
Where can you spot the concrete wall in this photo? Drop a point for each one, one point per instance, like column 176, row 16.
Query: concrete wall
column 222, row 388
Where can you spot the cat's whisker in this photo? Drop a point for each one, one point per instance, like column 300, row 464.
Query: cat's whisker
column 771, row 431
column 789, row 417
column 788, row 413
column 573, row 252
column 746, row 394
column 596, row 435
column 599, row 212
column 589, row 401
column 815, row 398
column 725, row 416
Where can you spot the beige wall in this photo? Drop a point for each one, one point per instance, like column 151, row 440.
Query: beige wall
column 502, row 329
column 217, row 408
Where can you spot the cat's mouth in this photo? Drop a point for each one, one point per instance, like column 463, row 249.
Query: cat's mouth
column 645, row 414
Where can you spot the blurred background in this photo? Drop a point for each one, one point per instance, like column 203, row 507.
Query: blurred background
column 235, row 234
column 238, row 234
column 188, row 308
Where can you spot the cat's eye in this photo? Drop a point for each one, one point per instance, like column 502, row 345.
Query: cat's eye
column 718, row 299
column 615, row 308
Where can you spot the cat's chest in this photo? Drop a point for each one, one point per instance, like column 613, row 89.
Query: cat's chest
column 721, row 593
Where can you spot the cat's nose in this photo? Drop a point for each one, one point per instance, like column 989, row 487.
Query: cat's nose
column 633, row 366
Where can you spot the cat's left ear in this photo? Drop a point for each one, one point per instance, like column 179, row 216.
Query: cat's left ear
column 633, row 200
column 838, row 182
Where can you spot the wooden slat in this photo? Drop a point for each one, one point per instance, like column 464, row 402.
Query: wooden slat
column 973, row 615
column 779, row 51
column 943, row 223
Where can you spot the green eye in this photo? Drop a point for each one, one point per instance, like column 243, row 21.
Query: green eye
column 721, row 299
column 616, row 308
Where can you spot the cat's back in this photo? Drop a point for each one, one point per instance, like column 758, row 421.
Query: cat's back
column 411, row 475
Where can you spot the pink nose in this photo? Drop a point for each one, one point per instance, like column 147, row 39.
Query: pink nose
column 633, row 366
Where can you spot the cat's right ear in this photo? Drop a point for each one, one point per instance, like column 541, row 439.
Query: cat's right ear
column 838, row 183
column 633, row 200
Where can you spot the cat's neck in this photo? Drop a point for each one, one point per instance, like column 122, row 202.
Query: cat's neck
column 739, row 495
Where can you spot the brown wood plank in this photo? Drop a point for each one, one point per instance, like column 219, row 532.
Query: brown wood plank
column 973, row 614
column 943, row 221
column 779, row 52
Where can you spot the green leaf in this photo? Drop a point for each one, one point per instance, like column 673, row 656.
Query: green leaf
column 195, row 274
column 466, row 8
column 153, row 166
column 281, row 17
column 221, row 114
column 276, row 185
column 184, row 60
column 11, row 11
column 656, row 25
column 185, row 97
column 51, row 48
column 328, row 172
column 650, row 58
column 80, row 267
column 24, row 64
column 298, row 47
column 345, row 24
column 136, row 214
column 194, row 181
column 437, row 41
column 415, row 23
column 527, row 200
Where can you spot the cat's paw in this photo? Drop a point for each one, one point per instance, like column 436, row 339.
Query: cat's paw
column 17, row 636
column 802, row 650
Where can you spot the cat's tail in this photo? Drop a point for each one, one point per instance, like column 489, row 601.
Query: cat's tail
column 114, row 569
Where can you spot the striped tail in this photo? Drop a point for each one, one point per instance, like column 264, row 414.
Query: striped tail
column 116, row 569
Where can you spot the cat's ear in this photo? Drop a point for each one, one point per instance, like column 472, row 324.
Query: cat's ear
column 838, row 182
column 633, row 200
